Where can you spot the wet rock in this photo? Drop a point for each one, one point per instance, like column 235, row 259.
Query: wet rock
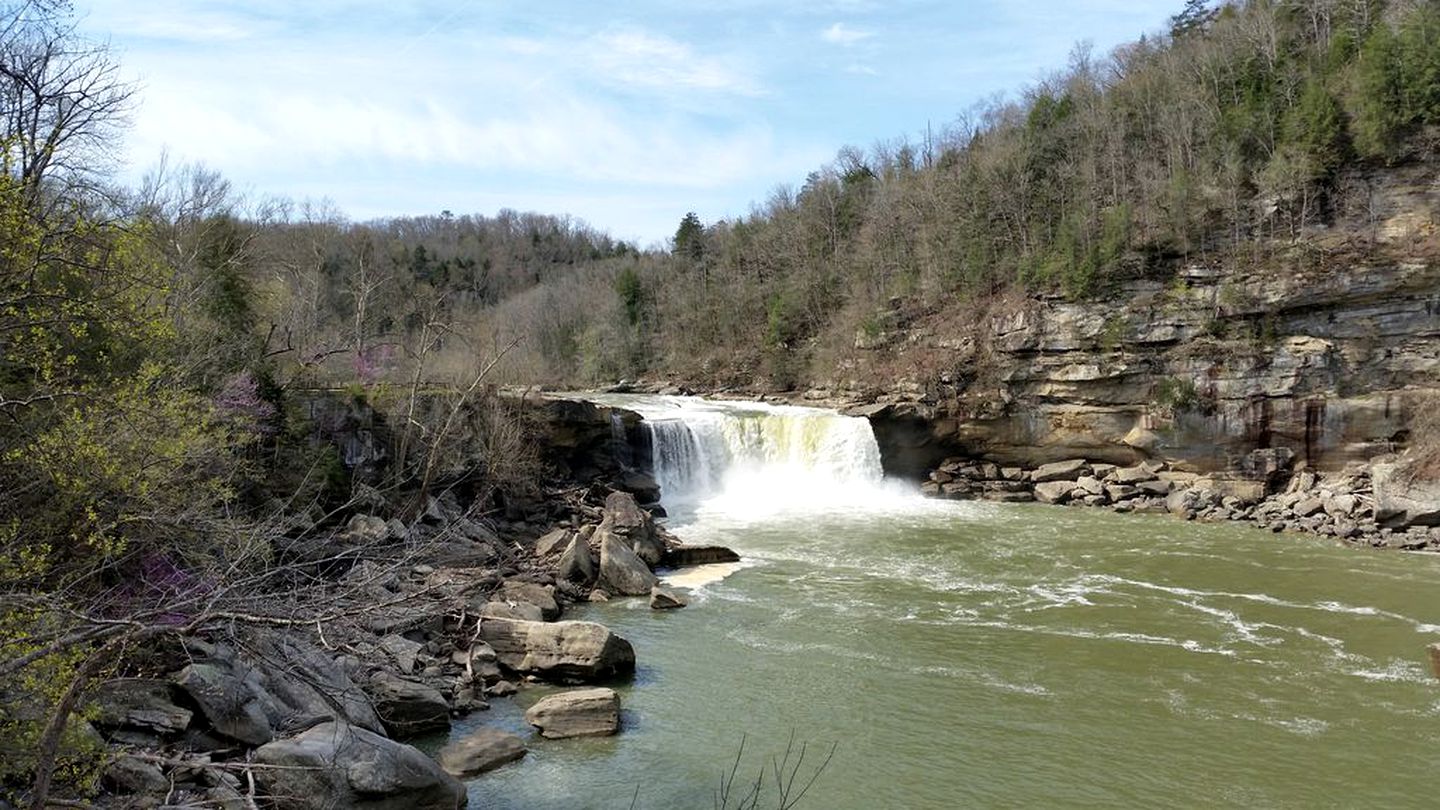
column 408, row 708
column 502, row 688
column 483, row 750
column 681, row 556
column 661, row 599
column 621, row 570
column 574, row 651
column 1009, row 497
column 338, row 765
column 1435, row 659
column 578, row 713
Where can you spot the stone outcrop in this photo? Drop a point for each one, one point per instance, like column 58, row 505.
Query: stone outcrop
column 1320, row 360
column 559, row 651
column 577, row 713
column 484, row 749
column 339, row 765
column 621, row 570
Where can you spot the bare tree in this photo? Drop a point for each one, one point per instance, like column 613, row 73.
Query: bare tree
column 62, row 98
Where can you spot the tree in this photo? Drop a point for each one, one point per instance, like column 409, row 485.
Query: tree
column 62, row 100
column 1194, row 18
column 690, row 238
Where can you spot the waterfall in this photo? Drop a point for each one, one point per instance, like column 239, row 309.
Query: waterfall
column 703, row 449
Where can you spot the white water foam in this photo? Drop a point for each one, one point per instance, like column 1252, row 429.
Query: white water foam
column 751, row 459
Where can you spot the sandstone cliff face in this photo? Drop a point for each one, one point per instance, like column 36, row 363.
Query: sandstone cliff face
column 1324, row 356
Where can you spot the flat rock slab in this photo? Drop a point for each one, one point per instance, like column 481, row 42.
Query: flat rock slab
column 139, row 703
column 483, row 750
column 1060, row 471
column 566, row 651
column 682, row 556
column 578, row 713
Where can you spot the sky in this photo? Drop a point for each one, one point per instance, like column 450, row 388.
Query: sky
column 625, row 114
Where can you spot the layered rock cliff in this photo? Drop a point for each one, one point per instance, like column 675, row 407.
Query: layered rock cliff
column 1327, row 352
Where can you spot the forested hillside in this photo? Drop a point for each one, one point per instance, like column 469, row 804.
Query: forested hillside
column 1239, row 137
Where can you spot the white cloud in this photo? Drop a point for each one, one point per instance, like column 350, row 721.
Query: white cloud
column 845, row 36
column 642, row 59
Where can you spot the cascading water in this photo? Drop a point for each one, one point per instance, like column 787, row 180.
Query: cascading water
column 756, row 453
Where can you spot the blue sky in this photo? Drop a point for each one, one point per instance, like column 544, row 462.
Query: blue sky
column 626, row 115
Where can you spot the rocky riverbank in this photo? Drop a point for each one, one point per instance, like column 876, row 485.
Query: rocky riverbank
column 431, row 621
column 1364, row 506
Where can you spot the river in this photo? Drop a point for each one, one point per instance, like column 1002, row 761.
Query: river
column 980, row 655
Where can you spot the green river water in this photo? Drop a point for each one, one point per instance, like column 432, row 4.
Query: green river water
column 985, row 655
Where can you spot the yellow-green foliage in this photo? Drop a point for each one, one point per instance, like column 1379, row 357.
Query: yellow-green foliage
column 27, row 703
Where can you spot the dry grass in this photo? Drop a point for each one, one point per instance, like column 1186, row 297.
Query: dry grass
column 1424, row 451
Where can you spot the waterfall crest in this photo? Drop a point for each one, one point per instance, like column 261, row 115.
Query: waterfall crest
column 704, row 449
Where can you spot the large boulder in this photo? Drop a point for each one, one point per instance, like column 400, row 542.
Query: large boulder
column 1403, row 498
column 142, row 704
column 621, row 570
column 541, row 596
column 564, row 651
column 309, row 684
column 577, row 563
column 553, row 542
column 628, row 521
column 1060, row 471
column 339, row 765
column 231, row 698
column 483, row 750
column 408, row 708
column 579, row 713
column 1132, row 475
column 1053, row 491
column 512, row 610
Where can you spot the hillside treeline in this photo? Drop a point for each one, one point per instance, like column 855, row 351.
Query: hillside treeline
column 1230, row 138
